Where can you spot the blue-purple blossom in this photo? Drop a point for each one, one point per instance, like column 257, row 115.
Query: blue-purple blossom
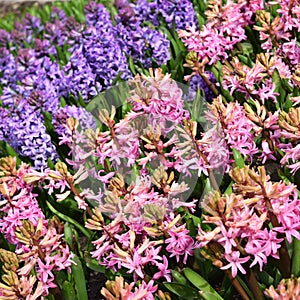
column 147, row 11
column 4, row 38
column 85, row 119
column 144, row 44
column 104, row 55
column 58, row 14
column 23, row 129
column 98, row 16
column 32, row 25
column 43, row 48
column 7, row 67
column 36, row 74
column 55, row 32
column 175, row 12
column 179, row 12
column 80, row 77
column 198, row 82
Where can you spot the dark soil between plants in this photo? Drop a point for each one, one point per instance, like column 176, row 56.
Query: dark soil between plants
column 16, row 7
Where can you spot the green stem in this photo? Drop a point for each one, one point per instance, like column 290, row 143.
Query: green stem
column 70, row 220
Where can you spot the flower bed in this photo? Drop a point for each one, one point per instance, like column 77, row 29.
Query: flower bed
column 165, row 132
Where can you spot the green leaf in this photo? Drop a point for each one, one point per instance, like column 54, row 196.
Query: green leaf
column 81, row 101
column 195, row 108
column 68, row 234
column 62, row 216
column 47, row 120
column 252, row 36
column 179, row 278
column 191, row 227
column 187, row 216
column 186, row 292
column 79, row 279
column 61, row 277
column 287, row 104
column 286, row 85
column 229, row 189
column 238, row 158
column 50, row 163
column 243, row 59
column 63, row 102
column 277, row 82
column 296, row 91
column 50, row 297
column 93, row 264
column 207, row 291
column 10, row 151
column 201, row 20
column 265, row 278
column 131, row 65
column 296, row 258
column 79, row 15
column 247, row 48
column 68, row 291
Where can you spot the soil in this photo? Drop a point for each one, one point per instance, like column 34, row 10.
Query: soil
column 16, row 7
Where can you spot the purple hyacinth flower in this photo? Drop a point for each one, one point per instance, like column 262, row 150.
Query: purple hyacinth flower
column 198, row 82
column 23, row 129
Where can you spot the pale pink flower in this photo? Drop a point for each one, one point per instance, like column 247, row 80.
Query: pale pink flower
column 227, row 239
column 180, row 243
column 291, row 50
column 45, row 271
column 207, row 43
column 163, row 270
column 205, row 237
column 159, row 99
column 224, row 29
column 290, row 14
column 135, row 265
column 287, row 289
column 292, row 154
column 267, row 91
column 119, row 289
column 235, row 263
column 236, row 128
column 266, row 154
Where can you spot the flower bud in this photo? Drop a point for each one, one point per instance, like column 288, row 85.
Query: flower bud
column 9, row 259
column 154, row 213
column 62, row 168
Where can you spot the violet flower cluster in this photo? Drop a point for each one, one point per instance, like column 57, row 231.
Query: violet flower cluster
column 23, row 129
column 178, row 14
column 38, row 75
column 197, row 82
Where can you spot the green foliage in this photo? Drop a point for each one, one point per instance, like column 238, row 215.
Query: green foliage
column 79, row 279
